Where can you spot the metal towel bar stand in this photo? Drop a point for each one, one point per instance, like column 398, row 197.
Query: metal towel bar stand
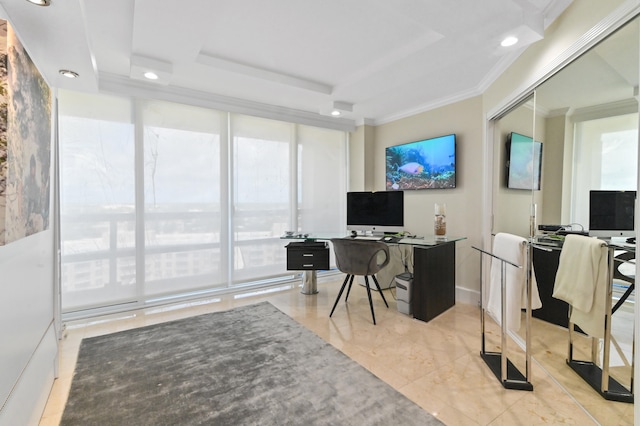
column 596, row 376
column 505, row 371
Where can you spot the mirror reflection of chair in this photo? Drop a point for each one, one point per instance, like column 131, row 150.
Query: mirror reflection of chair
column 360, row 257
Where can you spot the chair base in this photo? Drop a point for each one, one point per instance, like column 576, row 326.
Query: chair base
column 349, row 279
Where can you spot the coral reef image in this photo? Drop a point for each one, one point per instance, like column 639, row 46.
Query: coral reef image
column 426, row 164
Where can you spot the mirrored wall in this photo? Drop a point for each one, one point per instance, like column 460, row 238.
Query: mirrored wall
column 586, row 118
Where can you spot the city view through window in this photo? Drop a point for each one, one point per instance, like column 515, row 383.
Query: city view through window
column 189, row 205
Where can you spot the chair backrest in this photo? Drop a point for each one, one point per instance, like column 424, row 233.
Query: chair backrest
column 359, row 257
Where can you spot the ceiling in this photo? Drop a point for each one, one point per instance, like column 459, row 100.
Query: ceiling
column 606, row 74
column 382, row 60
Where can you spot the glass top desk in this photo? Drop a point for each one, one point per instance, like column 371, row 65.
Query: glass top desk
column 429, row 240
column 433, row 289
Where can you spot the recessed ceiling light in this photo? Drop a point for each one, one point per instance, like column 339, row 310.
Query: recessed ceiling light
column 336, row 109
column 150, row 70
column 150, row 75
column 40, row 2
column 69, row 73
column 509, row 41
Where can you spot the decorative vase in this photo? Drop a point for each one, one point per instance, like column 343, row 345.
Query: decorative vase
column 440, row 221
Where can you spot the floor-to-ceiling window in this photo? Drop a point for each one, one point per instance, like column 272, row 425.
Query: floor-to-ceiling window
column 97, row 201
column 260, row 201
column 321, row 173
column 160, row 200
column 605, row 157
column 182, row 198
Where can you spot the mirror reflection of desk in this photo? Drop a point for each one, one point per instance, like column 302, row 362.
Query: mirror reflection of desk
column 546, row 258
column 545, row 265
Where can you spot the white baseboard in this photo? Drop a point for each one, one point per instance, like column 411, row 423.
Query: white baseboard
column 465, row 295
column 28, row 398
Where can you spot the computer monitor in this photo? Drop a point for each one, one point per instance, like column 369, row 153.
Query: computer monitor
column 612, row 213
column 377, row 212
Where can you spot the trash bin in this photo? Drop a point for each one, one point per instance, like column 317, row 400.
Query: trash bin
column 403, row 292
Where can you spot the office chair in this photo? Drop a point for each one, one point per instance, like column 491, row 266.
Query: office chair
column 359, row 257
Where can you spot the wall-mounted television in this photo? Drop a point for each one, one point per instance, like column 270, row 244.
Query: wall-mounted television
column 425, row 164
column 612, row 213
column 524, row 162
column 378, row 212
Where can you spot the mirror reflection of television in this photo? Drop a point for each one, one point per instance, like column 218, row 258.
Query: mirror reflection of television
column 376, row 212
column 612, row 213
column 524, row 162
column 425, row 164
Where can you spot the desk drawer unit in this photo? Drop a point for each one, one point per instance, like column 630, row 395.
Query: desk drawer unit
column 307, row 256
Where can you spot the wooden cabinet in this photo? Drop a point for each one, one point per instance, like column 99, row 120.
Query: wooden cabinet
column 307, row 256
column 545, row 266
column 434, row 280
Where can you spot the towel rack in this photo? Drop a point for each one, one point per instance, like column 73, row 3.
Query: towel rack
column 596, row 376
column 505, row 371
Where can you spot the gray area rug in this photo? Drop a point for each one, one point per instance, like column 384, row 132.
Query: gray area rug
column 248, row 366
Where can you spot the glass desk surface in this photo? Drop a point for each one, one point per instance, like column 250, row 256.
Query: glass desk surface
column 557, row 241
column 618, row 246
column 429, row 240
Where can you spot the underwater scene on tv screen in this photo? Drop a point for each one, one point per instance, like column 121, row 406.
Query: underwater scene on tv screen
column 426, row 164
column 525, row 162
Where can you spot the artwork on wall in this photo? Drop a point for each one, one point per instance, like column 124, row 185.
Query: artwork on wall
column 25, row 142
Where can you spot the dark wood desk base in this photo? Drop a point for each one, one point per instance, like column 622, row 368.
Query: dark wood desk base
column 545, row 265
column 434, row 280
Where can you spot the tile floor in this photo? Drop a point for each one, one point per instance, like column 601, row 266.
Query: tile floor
column 435, row 364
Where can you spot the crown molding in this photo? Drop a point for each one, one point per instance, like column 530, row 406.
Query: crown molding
column 457, row 97
column 612, row 109
column 125, row 86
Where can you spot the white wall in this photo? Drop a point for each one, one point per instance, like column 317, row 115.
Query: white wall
column 553, row 176
column 28, row 337
column 29, row 346
column 463, row 203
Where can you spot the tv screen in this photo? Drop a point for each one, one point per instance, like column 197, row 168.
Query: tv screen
column 378, row 212
column 612, row 213
column 425, row 164
column 524, row 162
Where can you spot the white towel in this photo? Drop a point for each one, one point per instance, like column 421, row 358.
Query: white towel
column 514, row 249
column 581, row 281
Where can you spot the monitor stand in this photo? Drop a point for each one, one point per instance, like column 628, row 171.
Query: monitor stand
column 372, row 234
column 616, row 240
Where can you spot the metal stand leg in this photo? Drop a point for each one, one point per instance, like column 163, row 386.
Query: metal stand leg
column 504, row 370
column 309, row 282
